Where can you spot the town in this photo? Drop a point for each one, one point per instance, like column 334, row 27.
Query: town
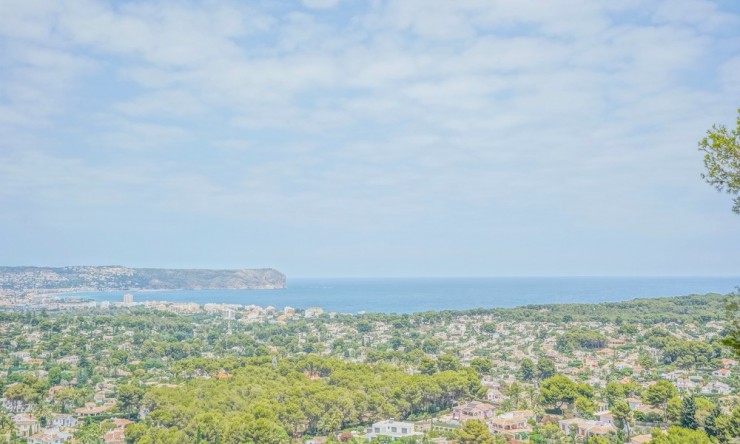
column 86, row 371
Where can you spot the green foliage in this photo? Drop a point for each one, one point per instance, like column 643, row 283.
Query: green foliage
column 623, row 416
column 721, row 149
column 527, row 370
column 481, row 365
column 545, row 368
column 427, row 366
column 688, row 413
column 263, row 404
column 695, row 308
column 673, row 409
column 732, row 308
column 546, row 434
column 129, row 397
column 585, row 407
column 90, row 433
column 488, row 327
column 710, row 424
column 615, row 391
column 7, row 426
column 680, row 435
column 658, row 394
column 724, row 428
column 581, row 339
column 684, row 353
column 448, row 362
column 558, row 390
column 474, row 432
column 312, row 394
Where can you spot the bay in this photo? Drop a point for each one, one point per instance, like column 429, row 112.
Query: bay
column 407, row 295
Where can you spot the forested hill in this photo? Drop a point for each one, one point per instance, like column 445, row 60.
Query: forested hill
column 124, row 278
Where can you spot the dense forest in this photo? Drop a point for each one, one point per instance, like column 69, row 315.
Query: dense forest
column 260, row 400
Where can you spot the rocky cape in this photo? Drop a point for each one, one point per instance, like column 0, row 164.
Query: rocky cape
column 111, row 278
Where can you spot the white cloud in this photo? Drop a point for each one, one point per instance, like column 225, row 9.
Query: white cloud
column 320, row 4
column 391, row 111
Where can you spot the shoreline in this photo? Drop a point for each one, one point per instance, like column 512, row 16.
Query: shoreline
column 410, row 296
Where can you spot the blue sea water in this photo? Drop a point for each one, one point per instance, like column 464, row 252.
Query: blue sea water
column 407, row 295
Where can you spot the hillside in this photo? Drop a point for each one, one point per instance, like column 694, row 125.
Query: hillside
column 123, row 278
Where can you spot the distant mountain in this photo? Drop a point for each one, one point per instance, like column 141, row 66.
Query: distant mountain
column 82, row 278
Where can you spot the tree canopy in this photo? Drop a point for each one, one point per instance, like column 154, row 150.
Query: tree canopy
column 721, row 148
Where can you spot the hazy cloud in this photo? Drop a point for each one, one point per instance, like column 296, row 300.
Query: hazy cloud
column 479, row 127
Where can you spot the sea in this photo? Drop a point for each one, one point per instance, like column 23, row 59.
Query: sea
column 408, row 295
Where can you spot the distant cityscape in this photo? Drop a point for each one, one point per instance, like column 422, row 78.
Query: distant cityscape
column 247, row 313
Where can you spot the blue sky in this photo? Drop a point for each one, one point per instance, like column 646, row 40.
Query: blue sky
column 368, row 138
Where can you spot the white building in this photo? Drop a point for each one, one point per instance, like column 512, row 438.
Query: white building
column 313, row 312
column 63, row 420
column 391, row 428
column 49, row 436
column 716, row 387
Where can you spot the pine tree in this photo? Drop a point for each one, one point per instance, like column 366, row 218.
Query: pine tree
column 474, row 432
column 688, row 413
column 710, row 424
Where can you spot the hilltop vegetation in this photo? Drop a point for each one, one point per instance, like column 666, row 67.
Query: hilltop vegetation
column 256, row 400
column 693, row 308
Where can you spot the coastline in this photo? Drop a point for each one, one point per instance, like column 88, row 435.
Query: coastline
column 425, row 295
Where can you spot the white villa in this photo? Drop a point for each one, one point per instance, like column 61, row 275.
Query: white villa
column 394, row 429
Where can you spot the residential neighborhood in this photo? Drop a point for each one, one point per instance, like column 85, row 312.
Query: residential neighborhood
column 67, row 373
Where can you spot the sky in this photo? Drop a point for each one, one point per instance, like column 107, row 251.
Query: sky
column 368, row 138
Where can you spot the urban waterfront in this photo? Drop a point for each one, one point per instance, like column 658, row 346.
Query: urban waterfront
column 406, row 295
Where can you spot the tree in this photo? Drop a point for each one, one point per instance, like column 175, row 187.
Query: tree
column 55, row 375
column 727, row 427
column 364, row 326
column 515, row 392
column 614, row 392
column 260, row 431
column 558, row 390
column 527, row 370
column 721, row 149
column 585, row 407
column 704, row 408
column 474, row 432
column 129, row 397
column 673, row 409
column 546, row 433
column 710, row 424
column 43, row 413
column 732, row 308
column 622, row 416
column 22, row 392
column 448, row 362
column 90, row 434
column 658, row 394
column 7, row 426
column 133, row 432
column 680, row 435
column 545, row 368
column 688, row 413
column 427, row 366
column 489, row 328
column 481, row 365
